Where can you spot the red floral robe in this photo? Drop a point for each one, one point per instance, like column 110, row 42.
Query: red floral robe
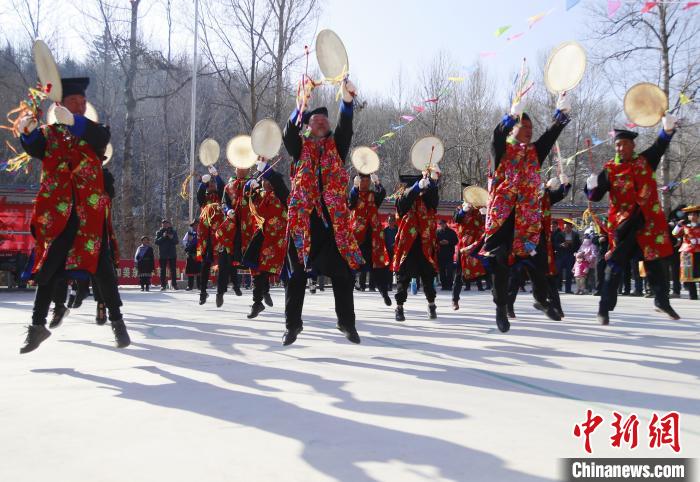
column 632, row 187
column 242, row 220
column 70, row 167
column 274, row 212
column 515, row 186
column 305, row 197
column 210, row 219
column 690, row 254
column 366, row 214
column 418, row 219
column 469, row 229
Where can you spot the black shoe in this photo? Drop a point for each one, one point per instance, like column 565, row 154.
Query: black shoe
column 538, row 306
column 552, row 313
column 603, row 318
column 668, row 310
column 398, row 313
column 290, row 336
column 35, row 335
column 455, row 305
column 385, row 296
column 162, row 288
column 59, row 313
column 101, row 315
column 71, row 300
column 267, row 299
column 219, row 300
column 237, row 290
column 502, row 318
column 175, row 288
column 121, row 337
column 203, row 295
column 511, row 311
column 148, row 288
column 432, row 311
column 189, row 288
column 255, row 309
column 143, row 288
column 373, row 289
column 350, row 333
column 597, row 293
column 559, row 311
column 649, row 295
column 80, row 295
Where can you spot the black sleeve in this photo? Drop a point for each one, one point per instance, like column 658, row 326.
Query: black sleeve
column 292, row 140
column 36, row 145
column 201, row 194
column 500, row 136
column 654, row 153
column 558, row 194
column 405, row 202
column 458, row 215
column 343, row 131
column 453, row 237
column 577, row 241
column 352, row 197
column 220, row 184
column 431, row 197
column 278, row 186
column 159, row 236
column 546, row 141
column 379, row 195
column 603, row 186
column 108, row 182
column 97, row 136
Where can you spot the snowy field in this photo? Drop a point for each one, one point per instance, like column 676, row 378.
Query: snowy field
column 204, row 394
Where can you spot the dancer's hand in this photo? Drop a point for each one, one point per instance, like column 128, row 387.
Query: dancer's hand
column 27, row 124
column 349, row 90
column 64, row 116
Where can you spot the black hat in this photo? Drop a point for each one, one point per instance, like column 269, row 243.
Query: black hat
column 410, row 179
column 75, row 85
column 306, row 117
column 164, row 221
column 624, row 134
column 362, row 176
column 524, row 116
column 465, row 184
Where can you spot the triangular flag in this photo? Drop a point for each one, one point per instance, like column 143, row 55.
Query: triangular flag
column 456, row 79
column 613, row 6
column 418, row 108
column 501, row 30
column 433, row 100
column 409, row 118
column 596, row 141
column 685, row 99
column 648, row 6
column 515, row 37
column 398, row 127
column 571, row 4
column 690, row 5
column 536, row 18
column 487, row 54
column 388, row 135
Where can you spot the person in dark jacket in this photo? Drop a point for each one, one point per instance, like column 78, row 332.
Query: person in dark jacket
column 566, row 243
column 167, row 240
column 390, row 239
column 145, row 263
column 447, row 241
column 192, row 267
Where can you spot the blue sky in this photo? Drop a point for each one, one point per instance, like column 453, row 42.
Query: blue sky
column 383, row 36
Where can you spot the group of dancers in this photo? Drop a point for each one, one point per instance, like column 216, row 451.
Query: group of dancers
column 315, row 227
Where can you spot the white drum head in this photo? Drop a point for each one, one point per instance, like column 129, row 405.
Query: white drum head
column 47, row 71
column 425, row 151
column 240, row 153
column 565, row 67
column 645, row 104
column 209, row 152
column 331, row 54
column 266, row 138
column 365, row 160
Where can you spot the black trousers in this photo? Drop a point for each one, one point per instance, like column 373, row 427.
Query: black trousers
column 675, row 268
column 692, row 289
column 446, row 274
column 657, row 275
column 222, row 277
column 565, row 264
column 170, row 263
column 403, row 282
column 499, row 246
column 261, row 285
column 343, row 283
column 145, row 280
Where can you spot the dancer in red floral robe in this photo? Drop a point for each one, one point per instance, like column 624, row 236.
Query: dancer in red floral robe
column 71, row 213
column 689, row 232
column 318, row 227
column 415, row 248
column 364, row 206
column 514, row 218
column 265, row 252
column 635, row 218
column 555, row 190
column 209, row 193
column 233, row 234
column 470, row 225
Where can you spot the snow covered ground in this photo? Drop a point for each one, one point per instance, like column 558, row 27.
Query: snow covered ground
column 204, row 394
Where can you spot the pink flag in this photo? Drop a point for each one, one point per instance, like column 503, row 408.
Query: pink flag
column 418, row 108
column 690, row 5
column 433, row 100
column 613, row 6
column 487, row 54
column 515, row 37
column 648, row 6
column 409, row 118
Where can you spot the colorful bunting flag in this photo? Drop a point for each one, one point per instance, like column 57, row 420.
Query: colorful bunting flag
column 515, row 37
column 684, row 98
column 484, row 55
column 648, row 6
column 690, row 5
column 501, row 30
column 456, row 79
column 409, row 118
column 613, row 7
column 418, row 108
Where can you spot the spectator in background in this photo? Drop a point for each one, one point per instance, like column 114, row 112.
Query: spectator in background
column 192, row 268
column 145, row 263
column 447, row 241
column 167, row 241
column 674, row 261
column 389, row 238
column 565, row 245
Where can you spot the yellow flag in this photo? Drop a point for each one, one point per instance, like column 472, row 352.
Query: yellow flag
column 685, row 99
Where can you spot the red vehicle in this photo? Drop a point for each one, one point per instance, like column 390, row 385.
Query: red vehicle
column 16, row 241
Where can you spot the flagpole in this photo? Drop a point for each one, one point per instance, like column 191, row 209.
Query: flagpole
column 193, row 108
